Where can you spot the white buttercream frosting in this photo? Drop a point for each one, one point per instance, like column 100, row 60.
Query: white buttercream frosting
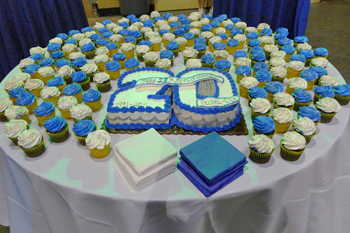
column 89, row 68
column 110, row 26
column 181, row 40
column 209, row 35
column 65, row 71
column 195, row 24
column 169, row 36
column 195, row 31
column 46, row 71
column 261, row 143
column 161, row 22
column 13, row 83
column 240, row 37
column 328, row 80
column 29, row 138
column 37, row 49
column 127, row 47
column 15, row 127
column 15, row 111
column 163, row 63
column 304, row 46
column 101, row 77
column 80, row 111
column 5, row 103
column 328, row 105
column 75, row 55
column 144, row 17
column 241, row 25
column 117, row 29
column 242, row 61
column 266, row 39
column 48, row 92
column 67, row 102
column 250, row 29
column 150, row 56
column 102, row 51
column 142, row 49
column 164, row 27
column 101, row 58
column 22, row 76
column 154, row 14
column 293, row 141
column 138, row 24
column 190, row 52
column 78, row 36
column 192, row 63
column 275, row 61
column 320, row 61
column 296, row 65
column 56, row 40
column 98, row 139
column 204, row 21
column 89, row 34
column 263, row 25
column 283, row 99
column 173, row 19
column 115, row 38
column 260, row 105
column 221, row 53
column 133, row 28
column 278, row 71
column 123, row 19
column 98, row 25
column 249, row 82
column 151, row 34
column 215, row 39
column 297, row 83
column 33, row 84
column 194, row 16
column 279, row 54
column 282, row 115
column 146, row 29
column 305, row 126
column 225, row 22
column 26, row 62
column 271, row 48
column 155, row 40
column 84, row 42
column 69, row 48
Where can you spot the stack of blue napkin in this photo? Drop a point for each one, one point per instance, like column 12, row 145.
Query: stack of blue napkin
column 211, row 163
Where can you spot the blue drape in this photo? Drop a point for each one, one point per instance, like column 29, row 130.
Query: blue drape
column 28, row 23
column 291, row 14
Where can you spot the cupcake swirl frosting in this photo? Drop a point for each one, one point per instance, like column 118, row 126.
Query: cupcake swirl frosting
column 5, row 103
column 89, row 68
column 195, row 31
column 263, row 76
column 163, row 63
column 208, row 59
column 75, row 55
column 325, row 91
column 79, row 76
column 115, row 38
column 188, row 35
column 249, row 82
column 321, row 52
column 37, row 49
column 131, row 62
column 67, row 102
column 36, row 56
column 257, row 92
column 26, row 98
column 320, row 61
column 254, row 43
column 307, row 53
column 84, row 127
column 127, row 47
column 282, row 115
column 102, row 51
column 305, row 126
column 266, row 32
column 297, row 83
column 293, row 141
column 145, row 42
column 91, row 95
column 328, row 80
column 169, row 36
column 273, row 87
column 142, row 49
column 119, row 56
column 15, row 127
column 101, row 58
column 113, row 66
column 15, row 92
column 44, row 109
column 244, row 70
column 80, row 111
column 260, row 105
column 101, row 77
column 308, row 75
column 275, row 61
column 55, row 124
column 13, row 83
column 279, row 54
column 89, row 46
column 266, row 39
column 302, row 96
column 240, row 37
column 89, row 34
column 57, row 54
column 150, row 56
column 86, row 41
column 79, row 62
column 283, row 99
column 319, row 70
column 296, row 65
column 221, row 53
column 194, row 24
column 304, row 46
column 26, row 62
column 29, row 138
column 33, row 84
column 342, row 90
column 155, row 40
column 181, row 40
column 261, row 143
column 192, row 63
column 309, row 112
column 263, row 124
column 65, row 71
column 242, row 61
column 98, row 139
column 278, row 71
column 48, row 92
column 62, row 62
column 270, row 48
column 15, row 111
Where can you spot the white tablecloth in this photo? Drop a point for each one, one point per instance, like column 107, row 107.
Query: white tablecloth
column 66, row 190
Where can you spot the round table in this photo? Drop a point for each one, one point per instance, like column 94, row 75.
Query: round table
column 67, row 190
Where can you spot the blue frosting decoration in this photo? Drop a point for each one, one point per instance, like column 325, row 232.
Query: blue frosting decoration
column 252, row 35
column 124, row 24
column 181, row 16
column 254, row 43
column 279, row 36
column 282, row 31
column 258, row 56
column 167, row 15
column 73, row 32
column 31, row 69
column 26, row 98
column 36, row 56
column 119, row 56
column 56, row 81
column 240, row 53
column 72, row 89
column 63, row 62
column 148, row 24
column 308, row 75
column 235, row 20
column 229, row 27
column 86, row 29
column 166, row 54
column 236, row 31
column 95, row 37
column 79, row 62
column 15, row 92
column 174, row 24
column 321, row 52
column 232, row 43
column 260, row 66
column 302, row 96
column 266, row 32
column 91, row 95
column 84, row 127
column 325, row 91
column 44, row 109
column 343, row 90
column 102, row 41
column 111, row 45
column 173, row 45
column 188, row 35
column 298, row 57
column 309, row 112
column 263, row 124
column 206, row 27
column 273, row 87
column 307, row 53
column 79, row 76
column 63, row 36
column 130, row 17
column 148, row 21
column 263, row 76
column 74, row 41
column 129, row 39
column 53, row 47
column 135, row 34
column 215, row 24
column 219, row 46
column 88, row 47
column 156, row 18
column 162, row 32
column 199, row 40
column 145, row 42
column 319, row 70
column 300, row 39
column 257, row 92
column 106, row 21
column 107, row 34
column 200, row 46
column 131, row 62
column 47, row 62
column 55, row 124
column 57, row 54
column 256, row 50
column 244, row 70
column 285, row 41
column 222, row 64
column 102, row 30
column 185, row 21
column 186, row 27
column 289, row 49
column 113, row 65
column 207, row 16
column 179, row 32
column 136, row 20
column 208, row 59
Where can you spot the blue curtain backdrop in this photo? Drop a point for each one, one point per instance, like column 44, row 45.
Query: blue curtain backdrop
column 28, row 23
column 291, row 14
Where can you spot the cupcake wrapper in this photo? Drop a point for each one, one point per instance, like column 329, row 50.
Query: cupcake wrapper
column 326, row 117
column 60, row 136
column 68, row 79
column 90, row 54
column 85, row 85
column 316, row 98
column 114, row 75
column 289, row 107
column 35, row 151
column 176, row 52
column 104, row 87
column 99, row 154
column 211, row 65
column 25, row 117
column 86, row 118
column 239, row 78
column 14, row 140
column 139, row 57
column 270, row 97
column 343, row 100
column 256, row 114
column 282, row 128
column 298, row 105
column 278, row 79
column 310, row 84
column 95, row 106
column 65, row 114
column 150, row 63
column 260, row 157
column 91, row 75
column 270, row 135
column 101, row 66
column 289, row 154
column 307, row 137
column 3, row 118
column 201, row 53
column 243, row 92
column 81, row 139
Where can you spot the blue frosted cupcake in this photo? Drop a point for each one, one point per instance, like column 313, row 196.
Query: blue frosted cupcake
column 47, row 62
column 321, row 52
column 298, row 57
column 101, row 42
column 243, row 71
column 82, row 79
column 92, row 98
column 131, row 63
column 264, row 125
column 113, row 69
column 130, row 39
column 15, row 92
column 232, row 46
column 201, row 48
column 238, row 54
column 236, row 31
column 320, row 71
column 52, row 47
column 57, row 129
column 137, row 35
column 120, row 58
column 251, row 36
column 258, row 57
column 179, row 32
column 37, row 57
column 208, row 60
column 145, row 42
column 311, row 113
column 309, row 55
column 263, row 76
column 224, row 65
column 62, row 36
column 89, row 50
column 256, row 92
column 272, row 88
column 200, row 40
column 189, row 36
column 78, row 63
column 310, row 77
column 266, row 32
column 342, row 94
column 253, row 43
column 168, row 55
column 28, row 100
column 260, row 66
column 62, row 62
column 44, row 111
column 300, row 40
column 323, row 91
column 206, row 28
column 219, row 46
column 75, row 90
column 185, row 27
column 302, row 98
column 290, row 50
column 58, row 82
column 174, row 47
column 57, row 55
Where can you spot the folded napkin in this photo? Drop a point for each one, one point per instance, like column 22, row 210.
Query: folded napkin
column 212, row 158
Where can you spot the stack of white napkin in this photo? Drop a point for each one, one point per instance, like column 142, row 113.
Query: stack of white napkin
column 145, row 158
